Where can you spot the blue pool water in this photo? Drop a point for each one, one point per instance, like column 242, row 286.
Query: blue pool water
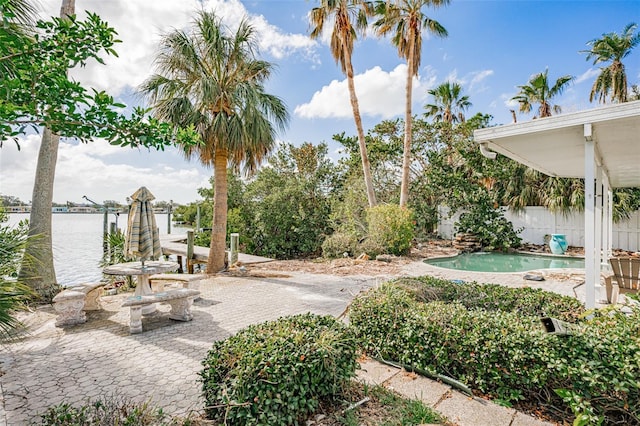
column 501, row 262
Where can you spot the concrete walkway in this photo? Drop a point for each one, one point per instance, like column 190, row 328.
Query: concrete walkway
column 457, row 407
column 161, row 365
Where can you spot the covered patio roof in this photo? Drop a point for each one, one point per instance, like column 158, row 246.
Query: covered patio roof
column 555, row 145
column 601, row 145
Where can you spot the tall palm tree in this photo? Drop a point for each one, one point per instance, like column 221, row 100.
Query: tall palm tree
column 40, row 273
column 345, row 13
column 448, row 105
column 406, row 20
column 537, row 91
column 209, row 77
column 612, row 47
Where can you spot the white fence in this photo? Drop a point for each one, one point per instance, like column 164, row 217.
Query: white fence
column 538, row 221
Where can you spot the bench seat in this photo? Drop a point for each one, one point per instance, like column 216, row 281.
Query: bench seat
column 191, row 281
column 180, row 300
column 72, row 302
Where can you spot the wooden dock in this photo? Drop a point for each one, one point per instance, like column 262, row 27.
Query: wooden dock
column 176, row 244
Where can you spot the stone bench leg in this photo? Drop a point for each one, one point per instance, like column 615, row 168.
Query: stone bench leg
column 135, row 323
column 69, row 306
column 92, row 301
column 181, row 309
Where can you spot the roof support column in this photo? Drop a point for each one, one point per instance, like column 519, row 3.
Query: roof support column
column 607, row 219
column 589, row 217
column 599, row 210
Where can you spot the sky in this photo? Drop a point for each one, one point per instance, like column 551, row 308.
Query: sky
column 493, row 47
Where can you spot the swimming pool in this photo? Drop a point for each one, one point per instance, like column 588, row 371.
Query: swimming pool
column 501, row 262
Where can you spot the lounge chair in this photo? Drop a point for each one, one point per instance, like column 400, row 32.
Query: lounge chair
column 625, row 278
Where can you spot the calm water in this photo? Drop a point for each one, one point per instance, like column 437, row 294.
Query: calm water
column 77, row 243
column 499, row 262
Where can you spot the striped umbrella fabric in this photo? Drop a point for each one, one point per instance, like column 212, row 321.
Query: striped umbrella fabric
column 143, row 237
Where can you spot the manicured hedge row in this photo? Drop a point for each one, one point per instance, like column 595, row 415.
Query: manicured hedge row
column 507, row 355
column 276, row 373
column 494, row 297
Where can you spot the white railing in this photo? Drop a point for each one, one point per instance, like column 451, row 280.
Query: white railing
column 538, row 221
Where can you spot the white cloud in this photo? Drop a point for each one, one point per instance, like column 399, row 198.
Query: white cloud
column 477, row 78
column 380, row 94
column 102, row 172
column 587, row 75
column 472, row 82
column 508, row 102
column 141, row 24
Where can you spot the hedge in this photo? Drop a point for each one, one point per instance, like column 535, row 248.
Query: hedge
column 276, row 373
column 500, row 349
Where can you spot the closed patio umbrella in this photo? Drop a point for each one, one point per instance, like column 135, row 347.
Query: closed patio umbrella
column 142, row 239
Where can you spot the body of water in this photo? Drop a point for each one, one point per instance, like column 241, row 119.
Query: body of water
column 77, row 243
column 500, row 262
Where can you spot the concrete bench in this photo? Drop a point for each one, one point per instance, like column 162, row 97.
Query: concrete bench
column 180, row 300
column 190, row 281
column 72, row 302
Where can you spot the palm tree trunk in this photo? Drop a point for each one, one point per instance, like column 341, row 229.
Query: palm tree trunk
column 37, row 269
column 366, row 166
column 217, row 254
column 406, row 152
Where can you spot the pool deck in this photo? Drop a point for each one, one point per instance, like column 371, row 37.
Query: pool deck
column 100, row 358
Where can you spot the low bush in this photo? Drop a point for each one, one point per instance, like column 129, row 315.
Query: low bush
column 110, row 410
column 391, row 227
column 371, row 247
column 339, row 243
column 490, row 226
column 494, row 297
column 276, row 373
column 507, row 354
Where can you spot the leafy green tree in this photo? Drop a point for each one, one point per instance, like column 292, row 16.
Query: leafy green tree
column 612, row 48
column 210, row 78
column 539, row 92
column 406, row 21
column 345, row 13
column 9, row 200
column 36, row 91
column 449, row 105
column 291, row 202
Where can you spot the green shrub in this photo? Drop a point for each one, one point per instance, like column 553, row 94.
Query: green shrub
column 490, row 226
column 110, row 410
column 277, row 372
column 371, row 247
column 339, row 243
column 506, row 353
column 391, row 226
column 14, row 294
column 494, row 297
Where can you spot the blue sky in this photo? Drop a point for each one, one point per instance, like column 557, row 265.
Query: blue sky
column 493, row 46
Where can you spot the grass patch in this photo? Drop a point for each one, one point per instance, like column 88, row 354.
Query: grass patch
column 384, row 408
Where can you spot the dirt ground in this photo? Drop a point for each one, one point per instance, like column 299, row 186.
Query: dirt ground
column 370, row 267
column 350, row 266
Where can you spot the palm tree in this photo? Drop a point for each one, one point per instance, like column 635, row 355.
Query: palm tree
column 345, row 12
column 405, row 19
column 612, row 47
column 209, row 77
column 40, row 273
column 537, row 91
column 448, row 105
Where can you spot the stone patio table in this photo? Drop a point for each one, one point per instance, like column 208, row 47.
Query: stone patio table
column 143, row 288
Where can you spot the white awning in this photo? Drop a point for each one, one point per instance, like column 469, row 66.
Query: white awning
column 601, row 145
